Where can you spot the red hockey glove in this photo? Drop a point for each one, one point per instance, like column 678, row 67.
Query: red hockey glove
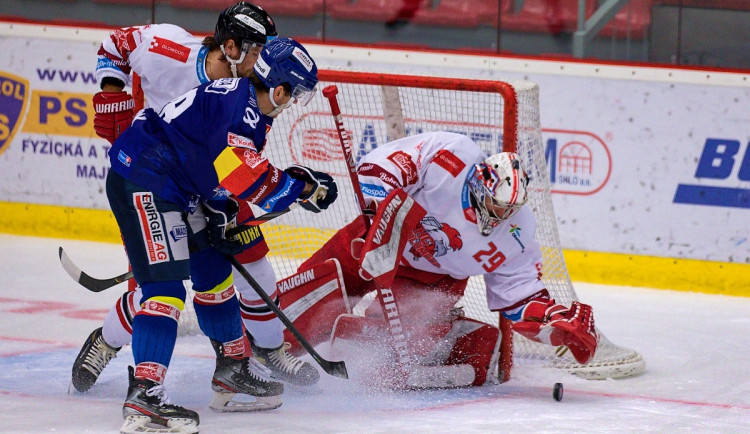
column 553, row 324
column 113, row 114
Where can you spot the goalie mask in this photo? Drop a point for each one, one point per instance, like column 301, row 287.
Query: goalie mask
column 248, row 25
column 285, row 60
column 498, row 190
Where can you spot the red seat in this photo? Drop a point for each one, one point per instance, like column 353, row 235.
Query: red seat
column 129, row 2
column 453, row 13
column 372, row 10
column 214, row 5
column 632, row 20
column 294, row 8
column 546, row 16
column 299, row 8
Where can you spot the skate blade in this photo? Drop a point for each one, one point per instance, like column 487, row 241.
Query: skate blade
column 138, row 424
column 225, row 402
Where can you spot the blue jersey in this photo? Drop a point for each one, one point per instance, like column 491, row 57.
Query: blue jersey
column 210, row 137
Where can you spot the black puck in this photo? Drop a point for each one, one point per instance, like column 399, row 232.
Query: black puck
column 557, row 392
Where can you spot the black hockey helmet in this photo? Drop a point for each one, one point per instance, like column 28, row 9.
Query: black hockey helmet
column 245, row 22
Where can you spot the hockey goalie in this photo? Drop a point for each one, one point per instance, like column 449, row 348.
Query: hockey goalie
column 440, row 211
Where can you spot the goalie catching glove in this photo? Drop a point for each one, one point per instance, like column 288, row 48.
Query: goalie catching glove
column 113, row 114
column 323, row 193
column 544, row 321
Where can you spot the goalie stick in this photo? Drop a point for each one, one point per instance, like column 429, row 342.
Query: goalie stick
column 98, row 285
column 337, row 369
column 384, row 279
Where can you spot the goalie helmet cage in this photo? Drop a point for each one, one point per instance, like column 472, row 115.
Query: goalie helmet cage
column 498, row 115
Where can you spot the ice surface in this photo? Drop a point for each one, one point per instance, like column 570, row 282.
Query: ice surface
column 695, row 345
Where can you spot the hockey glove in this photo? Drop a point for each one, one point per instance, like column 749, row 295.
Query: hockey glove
column 113, row 113
column 553, row 324
column 221, row 215
column 324, row 191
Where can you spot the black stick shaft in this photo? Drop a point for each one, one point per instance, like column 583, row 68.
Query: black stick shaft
column 337, row 369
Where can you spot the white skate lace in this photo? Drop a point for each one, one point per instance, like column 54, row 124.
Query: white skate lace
column 160, row 392
column 99, row 357
column 284, row 360
column 257, row 369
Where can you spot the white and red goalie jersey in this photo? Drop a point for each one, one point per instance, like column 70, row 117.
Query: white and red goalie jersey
column 169, row 60
column 433, row 168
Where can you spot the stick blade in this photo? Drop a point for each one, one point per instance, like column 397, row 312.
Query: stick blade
column 91, row 283
column 69, row 266
column 337, row 369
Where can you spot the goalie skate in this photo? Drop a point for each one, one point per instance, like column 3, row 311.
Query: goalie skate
column 242, row 384
column 92, row 359
column 147, row 409
column 284, row 366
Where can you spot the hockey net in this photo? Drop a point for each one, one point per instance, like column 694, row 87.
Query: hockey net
column 377, row 108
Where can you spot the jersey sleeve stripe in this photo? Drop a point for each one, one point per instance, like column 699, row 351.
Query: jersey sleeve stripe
column 237, row 169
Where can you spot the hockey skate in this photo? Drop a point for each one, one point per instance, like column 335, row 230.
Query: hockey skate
column 147, row 409
column 284, row 366
column 92, row 359
column 242, row 384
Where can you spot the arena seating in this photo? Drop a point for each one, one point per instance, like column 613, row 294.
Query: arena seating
column 460, row 13
column 546, row 16
column 633, row 21
column 374, row 10
column 294, row 8
column 214, row 5
column 129, row 2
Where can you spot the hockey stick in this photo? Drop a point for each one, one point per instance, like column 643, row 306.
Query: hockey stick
column 385, row 295
column 346, row 146
column 337, row 369
column 93, row 284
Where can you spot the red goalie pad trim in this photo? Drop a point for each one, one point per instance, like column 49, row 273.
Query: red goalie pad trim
column 312, row 299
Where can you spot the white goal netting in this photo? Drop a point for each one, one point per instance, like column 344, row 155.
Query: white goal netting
column 377, row 108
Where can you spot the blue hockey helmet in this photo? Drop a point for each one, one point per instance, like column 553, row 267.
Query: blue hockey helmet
column 285, row 60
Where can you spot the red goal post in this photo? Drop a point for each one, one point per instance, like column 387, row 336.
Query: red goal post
column 376, row 108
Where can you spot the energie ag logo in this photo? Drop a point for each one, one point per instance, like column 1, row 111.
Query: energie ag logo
column 13, row 97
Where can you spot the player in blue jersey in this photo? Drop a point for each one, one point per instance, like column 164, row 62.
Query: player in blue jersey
column 240, row 28
column 200, row 148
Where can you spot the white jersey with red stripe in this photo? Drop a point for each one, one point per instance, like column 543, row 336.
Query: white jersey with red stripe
column 433, row 168
column 169, row 60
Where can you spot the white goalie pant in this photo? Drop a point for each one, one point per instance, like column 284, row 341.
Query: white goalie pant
column 259, row 320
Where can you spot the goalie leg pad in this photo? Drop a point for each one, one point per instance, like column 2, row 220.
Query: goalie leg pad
column 461, row 358
column 475, row 346
column 333, row 248
column 312, row 299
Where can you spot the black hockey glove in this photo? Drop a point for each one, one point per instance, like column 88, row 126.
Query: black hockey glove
column 324, row 191
column 221, row 215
